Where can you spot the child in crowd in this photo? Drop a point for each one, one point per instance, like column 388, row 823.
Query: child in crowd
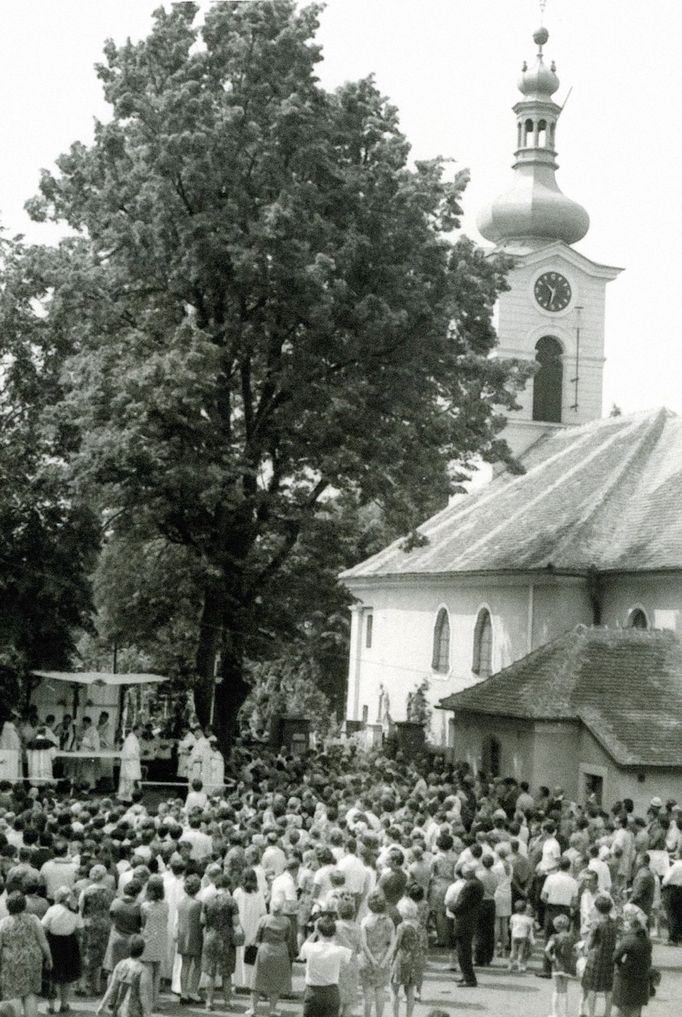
column 560, row 950
column 522, row 936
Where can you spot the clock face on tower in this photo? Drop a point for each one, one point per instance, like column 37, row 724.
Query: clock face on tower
column 552, row 291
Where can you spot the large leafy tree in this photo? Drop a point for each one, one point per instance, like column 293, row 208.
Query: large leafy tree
column 267, row 311
column 49, row 538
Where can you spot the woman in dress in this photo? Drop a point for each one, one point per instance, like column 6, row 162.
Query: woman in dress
column 154, row 915
column 220, row 919
column 377, row 936
column 442, row 875
column 601, row 944
column 272, row 973
column 126, row 921
column 60, row 924
column 23, row 951
column 408, row 959
column 503, row 897
column 251, row 905
column 130, row 988
column 94, row 906
column 190, row 939
column 632, row 965
column 348, row 935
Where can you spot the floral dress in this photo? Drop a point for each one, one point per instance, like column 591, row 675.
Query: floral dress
column 409, row 961
column 155, row 933
column 94, row 907
column 377, row 933
column 23, row 945
column 218, row 953
column 601, row 946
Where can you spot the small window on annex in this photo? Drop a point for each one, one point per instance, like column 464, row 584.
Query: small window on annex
column 637, row 619
column 369, row 630
column 440, row 660
column 548, row 381
column 482, row 664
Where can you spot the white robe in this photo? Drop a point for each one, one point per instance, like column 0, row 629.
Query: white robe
column 40, row 765
column 10, row 748
column 130, row 767
column 199, row 760
column 88, row 770
column 214, row 777
column 185, row 747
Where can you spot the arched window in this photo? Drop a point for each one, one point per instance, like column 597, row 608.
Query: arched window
column 542, row 133
column 483, row 645
column 548, row 381
column 441, row 643
column 528, row 132
column 637, row 619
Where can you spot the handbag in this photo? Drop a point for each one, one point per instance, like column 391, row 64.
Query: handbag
column 250, row 953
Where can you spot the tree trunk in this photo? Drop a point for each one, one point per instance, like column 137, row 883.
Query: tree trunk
column 230, row 694
column 210, row 633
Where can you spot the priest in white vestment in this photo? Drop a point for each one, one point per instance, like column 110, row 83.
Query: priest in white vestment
column 40, row 753
column 131, row 770
column 89, row 768
column 10, row 747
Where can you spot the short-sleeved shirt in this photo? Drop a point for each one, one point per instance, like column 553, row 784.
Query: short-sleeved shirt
column 323, row 962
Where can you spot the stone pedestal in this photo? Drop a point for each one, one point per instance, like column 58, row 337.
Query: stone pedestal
column 411, row 737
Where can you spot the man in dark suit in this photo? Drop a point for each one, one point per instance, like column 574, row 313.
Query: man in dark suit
column 465, row 910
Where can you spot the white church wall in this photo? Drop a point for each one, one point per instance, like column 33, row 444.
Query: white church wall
column 404, row 616
column 660, row 597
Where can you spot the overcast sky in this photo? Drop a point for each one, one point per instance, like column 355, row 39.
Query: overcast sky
column 451, row 67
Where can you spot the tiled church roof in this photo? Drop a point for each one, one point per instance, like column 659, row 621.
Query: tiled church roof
column 625, row 685
column 605, row 495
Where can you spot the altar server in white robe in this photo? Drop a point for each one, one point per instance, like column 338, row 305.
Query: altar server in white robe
column 185, row 746
column 214, row 778
column 10, row 745
column 199, row 757
column 131, row 770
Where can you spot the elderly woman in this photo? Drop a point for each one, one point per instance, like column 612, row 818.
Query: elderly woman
column 130, row 989
column 632, row 960
column 60, row 923
column 23, row 951
column 93, row 905
column 272, row 974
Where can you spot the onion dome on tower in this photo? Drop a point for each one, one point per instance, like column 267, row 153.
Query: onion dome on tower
column 535, row 212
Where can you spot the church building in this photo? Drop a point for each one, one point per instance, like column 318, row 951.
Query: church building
column 589, row 536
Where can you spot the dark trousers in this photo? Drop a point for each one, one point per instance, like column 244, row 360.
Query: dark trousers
column 466, row 967
column 672, row 896
column 485, row 933
column 551, row 911
column 321, row 1001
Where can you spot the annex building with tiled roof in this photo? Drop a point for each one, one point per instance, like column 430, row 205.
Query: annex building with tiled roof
column 610, row 698
column 523, row 587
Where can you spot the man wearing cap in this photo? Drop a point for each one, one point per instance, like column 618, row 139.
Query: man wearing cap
column 465, row 911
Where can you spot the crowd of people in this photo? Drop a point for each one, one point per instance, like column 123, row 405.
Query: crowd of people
column 357, row 865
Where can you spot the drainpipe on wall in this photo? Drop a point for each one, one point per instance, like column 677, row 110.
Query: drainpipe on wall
column 595, row 590
column 531, row 606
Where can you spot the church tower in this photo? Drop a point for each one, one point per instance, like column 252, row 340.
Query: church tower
column 553, row 313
